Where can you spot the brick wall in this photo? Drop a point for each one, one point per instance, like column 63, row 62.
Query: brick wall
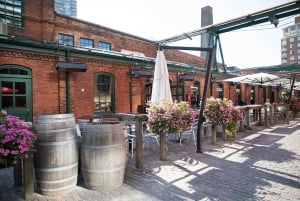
column 49, row 87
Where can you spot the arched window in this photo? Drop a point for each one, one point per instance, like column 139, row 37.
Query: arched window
column 104, row 93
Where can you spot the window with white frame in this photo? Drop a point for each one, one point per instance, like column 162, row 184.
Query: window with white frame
column 292, row 58
column 293, row 31
column 283, row 55
column 283, row 61
column 298, row 30
column 285, row 32
column 283, row 49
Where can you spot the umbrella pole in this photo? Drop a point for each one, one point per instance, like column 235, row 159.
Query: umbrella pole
column 210, row 64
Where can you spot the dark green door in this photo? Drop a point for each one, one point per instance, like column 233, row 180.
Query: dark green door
column 15, row 94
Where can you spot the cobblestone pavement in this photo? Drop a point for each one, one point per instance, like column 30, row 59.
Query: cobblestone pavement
column 262, row 164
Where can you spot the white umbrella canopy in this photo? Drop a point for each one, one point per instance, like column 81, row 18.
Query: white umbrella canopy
column 283, row 82
column 257, row 78
column 161, row 86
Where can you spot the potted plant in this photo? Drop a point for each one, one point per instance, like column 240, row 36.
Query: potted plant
column 16, row 139
column 167, row 118
column 222, row 112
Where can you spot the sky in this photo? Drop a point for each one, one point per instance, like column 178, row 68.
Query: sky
column 159, row 19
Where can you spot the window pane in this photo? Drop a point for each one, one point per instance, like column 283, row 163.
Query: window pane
column 11, row 12
column 104, row 46
column 66, row 40
column 7, row 87
column 20, row 88
column 84, row 42
column 20, row 101
column 7, row 101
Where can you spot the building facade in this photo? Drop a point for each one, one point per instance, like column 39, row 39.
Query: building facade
column 290, row 43
column 51, row 63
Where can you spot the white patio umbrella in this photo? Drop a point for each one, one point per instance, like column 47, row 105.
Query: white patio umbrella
column 257, row 78
column 279, row 82
column 161, row 86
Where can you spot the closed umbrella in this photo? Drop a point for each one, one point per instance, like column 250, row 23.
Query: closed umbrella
column 161, row 86
column 161, row 91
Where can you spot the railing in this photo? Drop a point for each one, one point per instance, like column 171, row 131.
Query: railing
column 267, row 114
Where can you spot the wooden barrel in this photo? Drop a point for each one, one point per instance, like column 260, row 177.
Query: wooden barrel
column 103, row 155
column 56, row 156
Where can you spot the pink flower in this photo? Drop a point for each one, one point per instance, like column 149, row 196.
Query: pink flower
column 16, row 139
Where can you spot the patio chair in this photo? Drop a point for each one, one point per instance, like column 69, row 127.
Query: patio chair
column 192, row 132
column 131, row 133
column 81, row 124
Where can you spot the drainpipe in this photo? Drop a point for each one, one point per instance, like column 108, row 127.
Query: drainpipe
column 130, row 90
column 67, row 74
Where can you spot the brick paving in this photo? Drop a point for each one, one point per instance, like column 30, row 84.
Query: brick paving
column 263, row 164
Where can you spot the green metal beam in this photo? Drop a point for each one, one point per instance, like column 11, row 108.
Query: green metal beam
column 280, row 11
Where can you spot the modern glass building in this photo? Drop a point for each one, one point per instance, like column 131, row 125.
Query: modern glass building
column 66, row 7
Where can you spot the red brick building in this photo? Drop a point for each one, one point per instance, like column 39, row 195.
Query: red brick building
column 57, row 64
column 51, row 63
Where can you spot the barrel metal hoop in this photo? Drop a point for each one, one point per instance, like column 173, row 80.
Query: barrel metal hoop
column 57, row 181
column 102, row 146
column 72, row 141
column 56, row 169
column 58, row 189
column 102, row 171
column 57, row 130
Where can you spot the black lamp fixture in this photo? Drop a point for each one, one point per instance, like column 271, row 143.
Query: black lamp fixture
column 186, row 77
column 70, row 66
column 137, row 72
column 274, row 20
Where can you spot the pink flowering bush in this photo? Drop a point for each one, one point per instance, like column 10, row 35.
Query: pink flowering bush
column 16, row 139
column 223, row 112
column 169, row 117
